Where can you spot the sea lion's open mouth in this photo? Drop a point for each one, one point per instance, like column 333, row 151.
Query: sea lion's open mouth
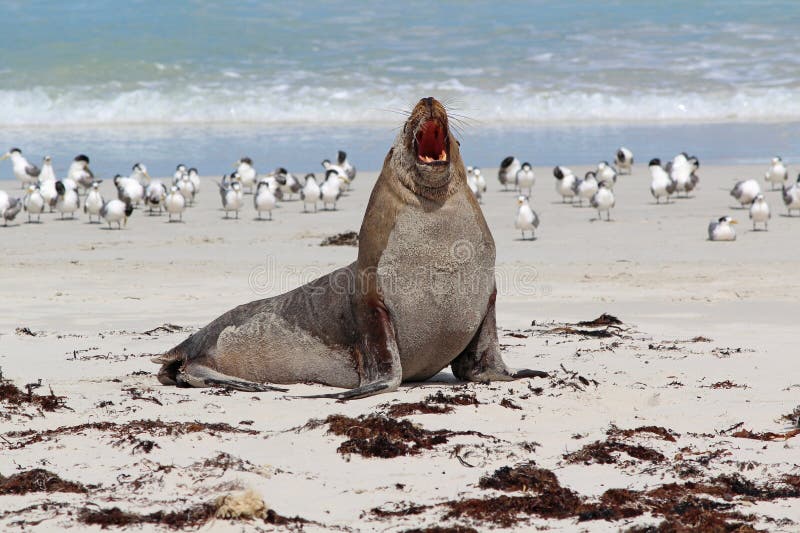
column 431, row 143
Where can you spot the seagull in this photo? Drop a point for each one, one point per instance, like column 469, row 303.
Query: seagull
column 80, row 172
column 10, row 211
column 746, row 191
column 624, row 160
column 331, row 188
column 186, row 187
column 328, row 166
column 194, row 177
column 273, row 184
column 606, row 173
column 67, row 200
column 47, row 173
column 508, row 171
column 246, row 172
column 777, row 174
column 791, row 196
column 180, row 170
column 586, row 187
column 349, row 170
column 155, row 193
column 25, row 172
column 264, row 198
column 139, row 173
column 527, row 219
column 759, row 211
column 472, row 183
column 34, row 202
column 722, row 229
column 683, row 170
column 603, row 200
column 175, row 203
column 93, row 202
column 129, row 190
column 480, row 181
column 231, row 195
column 117, row 211
column 525, row 178
column 565, row 181
column 288, row 182
column 310, row 193
column 661, row 183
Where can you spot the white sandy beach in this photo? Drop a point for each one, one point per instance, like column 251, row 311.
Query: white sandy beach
column 695, row 313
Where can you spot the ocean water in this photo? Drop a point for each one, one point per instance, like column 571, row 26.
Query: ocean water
column 289, row 83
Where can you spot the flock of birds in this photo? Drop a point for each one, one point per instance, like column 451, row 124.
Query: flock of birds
column 44, row 191
column 678, row 177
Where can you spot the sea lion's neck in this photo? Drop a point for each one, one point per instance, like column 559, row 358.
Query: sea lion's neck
column 434, row 183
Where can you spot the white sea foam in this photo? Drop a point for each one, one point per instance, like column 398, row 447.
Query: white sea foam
column 284, row 103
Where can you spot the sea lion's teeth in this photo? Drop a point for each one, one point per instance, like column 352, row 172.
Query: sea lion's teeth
column 443, row 156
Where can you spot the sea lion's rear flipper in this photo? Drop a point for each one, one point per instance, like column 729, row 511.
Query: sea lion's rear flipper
column 377, row 356
column 481, row 360
column 198, row 375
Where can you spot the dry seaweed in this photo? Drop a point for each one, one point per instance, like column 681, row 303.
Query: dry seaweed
column 601, row 452
column 163, row 328
column 766, row 436
column 662, row 433
column 603, row 320
column 11, row 394
column 508, row 404
column 438, row 403
column 380, row 436
column 348, row 238
column 37, row 480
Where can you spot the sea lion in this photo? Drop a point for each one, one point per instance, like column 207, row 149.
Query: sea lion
column 420, row 296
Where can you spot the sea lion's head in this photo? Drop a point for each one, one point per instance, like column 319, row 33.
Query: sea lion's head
column 427, row 152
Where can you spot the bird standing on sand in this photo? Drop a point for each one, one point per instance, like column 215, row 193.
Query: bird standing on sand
column 605, row 173
column 80, row 172
column 9, row 213
column 661, row 183
column 586, row 187
column 507, row 174
column 603, row 200
column 288, row 183
column 349, row 169
column 565, row 182
column 264, row 199
column 194, row 177
column 623, row 160
column 93, row 202
column 683, row 171
column 472, row 183
column 722, row 229
column 246, row 173
column 527, row 219
column 759, row 211
column 776, row 174
column 480, row 181
column 232, row 196
column 116, row 211
column 525, row 178
column 186, row 188
column 310, row 193
column 791, row 196
column 331, row 188
column 175, row 203
column 34, row 202
column 746, row 191
column 154, row 195
column 180, row 171
column 47, row 173
column 67, row 200
column 25, row 172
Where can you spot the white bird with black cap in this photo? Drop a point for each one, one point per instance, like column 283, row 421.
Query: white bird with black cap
column 623, row 160
column 722, row 229
column 527, row 219
column 25, row 172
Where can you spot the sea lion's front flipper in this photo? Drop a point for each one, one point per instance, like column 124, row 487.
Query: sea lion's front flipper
column 377, row 356
column 198, row 375
column 481, row 360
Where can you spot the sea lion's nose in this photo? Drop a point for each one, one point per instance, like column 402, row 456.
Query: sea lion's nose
column 429, row 102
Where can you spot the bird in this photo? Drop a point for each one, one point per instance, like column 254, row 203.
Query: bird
column 93, row 202
column 791, row 196
column 274, row 187
column 155, row 193
column 603, row 200
column 288, row 182
column 264, row 199
column 331, row 188
column 310, row 192
column 129, row 189
column 14, row 206
column 194, row 177
column 34, row 202
column 328, row 166
column 661, row 183
column 80, row 172
column 508, row 171
column 246, row 172
column 682, row 169
column 67, row 200
column 606, row 173
column 565, row 181
column 777, row 174
column 527, row 219
column 25, row 172
column 47, row 173
column 139, row 173
column 180, row 170
column 186, row 188
column 623, row 160
column 480, row 180
column 231, row 195
column 586, row 187
column 745, row 191
column 722, row 229
column 525, row 178
column 349, row 169
column 759, row 211
column 472, row 183
column 175, row 203
column 116, row 210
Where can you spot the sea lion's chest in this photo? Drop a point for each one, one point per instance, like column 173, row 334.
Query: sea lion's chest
column 436, row 275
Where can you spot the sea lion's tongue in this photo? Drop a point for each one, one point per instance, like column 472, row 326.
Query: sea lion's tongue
column 431, row 139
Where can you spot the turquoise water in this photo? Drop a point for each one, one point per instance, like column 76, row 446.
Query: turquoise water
column 289, row 84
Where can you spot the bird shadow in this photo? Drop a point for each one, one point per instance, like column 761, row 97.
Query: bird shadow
column 598, row 219
column 521, row 239
column 262, row 219
column 784, row 215
column 106, row 228
column 740, row 208
column 176, row 221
